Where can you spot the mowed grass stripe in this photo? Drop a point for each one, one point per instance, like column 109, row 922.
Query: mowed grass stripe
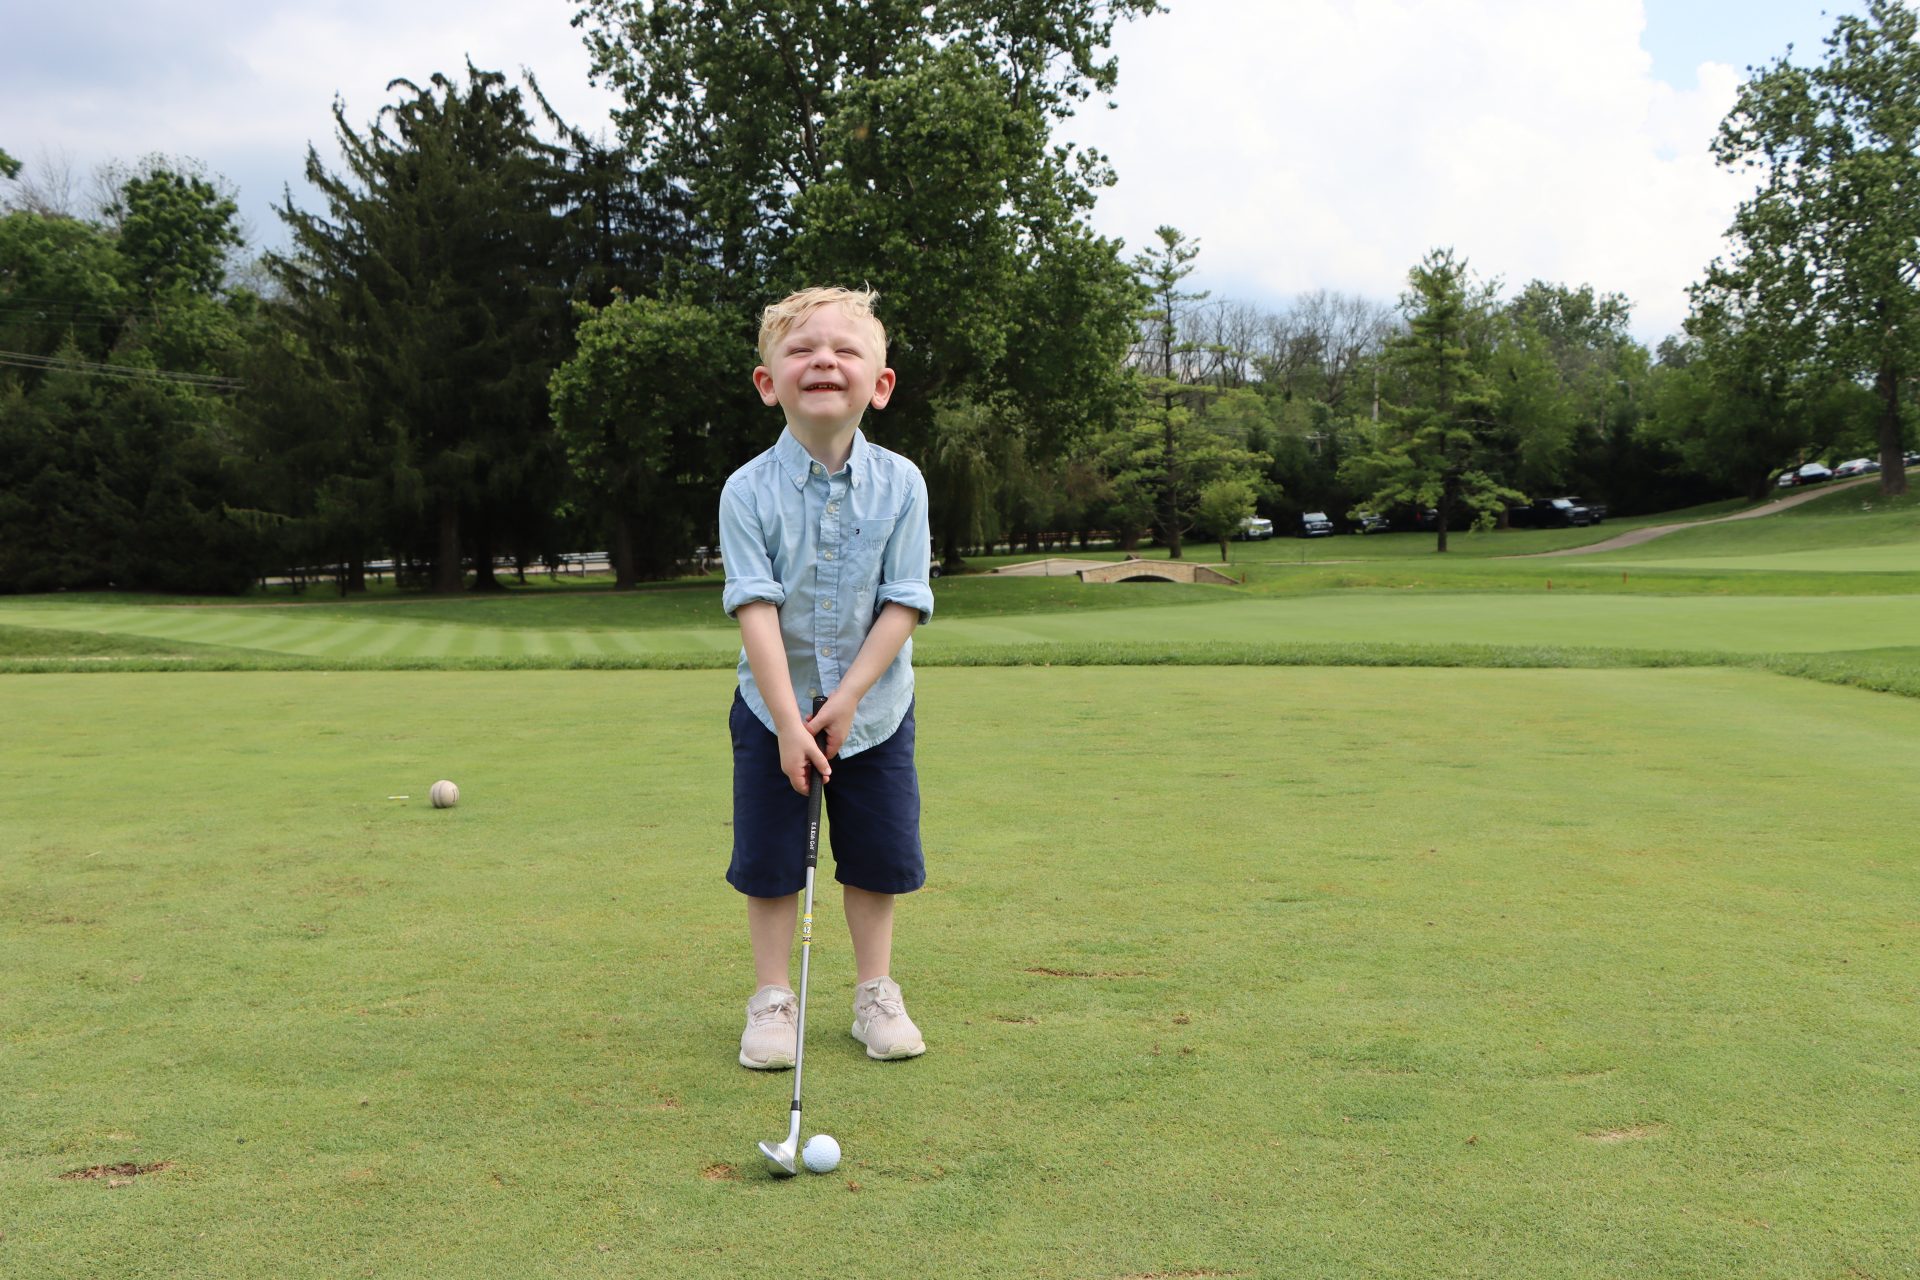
column 1543, row 619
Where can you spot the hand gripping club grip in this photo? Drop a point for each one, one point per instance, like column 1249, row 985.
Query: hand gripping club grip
column 813, row 797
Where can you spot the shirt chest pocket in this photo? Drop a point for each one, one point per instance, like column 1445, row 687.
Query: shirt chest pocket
column 866, row 544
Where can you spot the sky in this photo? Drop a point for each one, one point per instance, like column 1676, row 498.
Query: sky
column 1305, row 144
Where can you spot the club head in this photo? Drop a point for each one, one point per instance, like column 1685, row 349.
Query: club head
column 780, row 1158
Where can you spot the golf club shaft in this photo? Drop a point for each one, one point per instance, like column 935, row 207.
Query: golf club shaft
column 806, row 928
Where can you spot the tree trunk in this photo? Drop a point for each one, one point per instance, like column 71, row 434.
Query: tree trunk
column 1445, row 517
column 357, row 576
column 1223, row 551
column 483, row 579
column 448, row 573
column 623, row 566
column 1170, row 498
column 1893, row 467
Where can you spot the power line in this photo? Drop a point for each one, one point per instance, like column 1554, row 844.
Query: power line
column 92, row 368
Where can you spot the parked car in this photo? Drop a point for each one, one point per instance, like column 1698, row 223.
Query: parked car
column 1368, row 522
column 1787, row 479
column 1855, row 467
column 1255, row 529
column 1314, row 524
column 1550, row 513
column 1812, row 473
column 1598, row 510
column 1911, row 459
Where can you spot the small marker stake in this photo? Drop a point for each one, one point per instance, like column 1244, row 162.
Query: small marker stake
column 1549, row 584
column 399, row 797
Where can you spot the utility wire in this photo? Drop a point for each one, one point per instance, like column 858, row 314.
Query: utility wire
column 92, row 368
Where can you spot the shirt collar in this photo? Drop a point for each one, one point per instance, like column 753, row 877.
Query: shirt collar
column 797, row 462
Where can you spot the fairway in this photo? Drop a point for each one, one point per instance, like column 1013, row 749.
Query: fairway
column 1248, row 972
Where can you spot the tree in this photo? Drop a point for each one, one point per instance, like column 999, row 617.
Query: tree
column 1827, row 250
column 631, row 409
column 1224, row 507
column 1438, row 449
column 1734, row 407
column 117, row 464
column 9, row 167
column 433, row 285
column 175, row 226
column 1160, row 358
column 911, row 148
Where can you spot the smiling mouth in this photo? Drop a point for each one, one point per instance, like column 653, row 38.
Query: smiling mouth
column 820, row 386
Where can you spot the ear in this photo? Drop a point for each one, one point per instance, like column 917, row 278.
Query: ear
column 763, row 383
column 883, row 389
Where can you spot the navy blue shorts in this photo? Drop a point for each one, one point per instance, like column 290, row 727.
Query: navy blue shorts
column 873, row 815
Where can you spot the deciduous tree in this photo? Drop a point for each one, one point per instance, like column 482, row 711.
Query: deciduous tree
column 1827, row 251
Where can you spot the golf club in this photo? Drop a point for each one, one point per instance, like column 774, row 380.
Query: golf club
column 783, row 1158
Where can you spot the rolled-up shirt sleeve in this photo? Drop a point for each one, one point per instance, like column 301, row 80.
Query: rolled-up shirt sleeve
column 904, row 564
column 743, row 551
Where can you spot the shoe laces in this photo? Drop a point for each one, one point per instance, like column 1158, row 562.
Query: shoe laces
column 883, row 1004
column 773, row 1011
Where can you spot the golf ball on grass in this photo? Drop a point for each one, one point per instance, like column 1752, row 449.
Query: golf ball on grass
column 821, row 1154
column 444, row 794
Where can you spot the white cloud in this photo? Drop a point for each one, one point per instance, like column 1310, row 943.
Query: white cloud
column 1331, row 143
column 245, row 88
column 1305, row 143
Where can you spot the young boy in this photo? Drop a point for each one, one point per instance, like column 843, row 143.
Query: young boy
column 826, row 546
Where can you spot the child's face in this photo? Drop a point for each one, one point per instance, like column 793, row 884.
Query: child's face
column 825, row 371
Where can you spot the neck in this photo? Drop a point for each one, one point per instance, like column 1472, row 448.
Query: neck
column 828, row 446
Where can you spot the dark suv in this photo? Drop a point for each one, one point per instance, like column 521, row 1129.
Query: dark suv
column 1314, row 524
column 1550, row 513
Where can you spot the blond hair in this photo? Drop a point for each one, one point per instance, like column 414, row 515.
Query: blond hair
column 781, row 318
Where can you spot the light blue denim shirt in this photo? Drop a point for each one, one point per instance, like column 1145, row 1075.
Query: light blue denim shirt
column 831, row 551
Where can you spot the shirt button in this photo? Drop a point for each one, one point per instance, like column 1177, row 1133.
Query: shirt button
column 827, row 605
column 827, row 554
column 826, row 651
column 819, row 470
column 833, row 508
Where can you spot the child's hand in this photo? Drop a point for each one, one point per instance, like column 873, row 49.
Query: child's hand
column 836, row 717
column 799, row 754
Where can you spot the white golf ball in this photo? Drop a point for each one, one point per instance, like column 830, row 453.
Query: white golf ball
column 821, row 1154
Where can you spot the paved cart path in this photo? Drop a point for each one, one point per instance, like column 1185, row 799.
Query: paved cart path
column 1634, row 537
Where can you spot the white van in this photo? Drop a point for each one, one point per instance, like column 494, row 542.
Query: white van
column 1255, row 528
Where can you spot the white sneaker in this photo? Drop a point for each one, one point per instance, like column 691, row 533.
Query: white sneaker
column 880, row 1021
column 771, row 1035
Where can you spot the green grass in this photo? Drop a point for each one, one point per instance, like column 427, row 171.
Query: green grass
column 19, row 643
column 1857, row 531
column 1578, row 946
column 1307, row 972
